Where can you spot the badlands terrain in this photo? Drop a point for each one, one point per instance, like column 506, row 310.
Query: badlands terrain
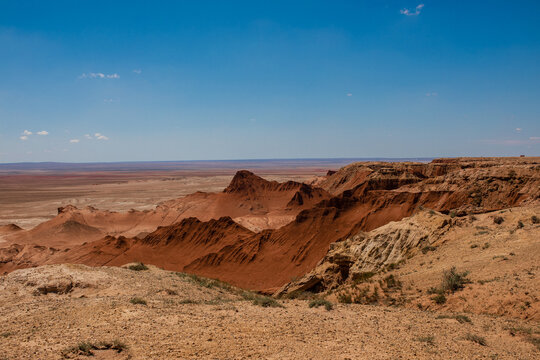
column 378, row 260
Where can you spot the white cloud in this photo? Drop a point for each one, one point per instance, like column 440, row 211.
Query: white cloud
column 102, row 137
column 43, row 132
column 417, row 11
column 74, row 141
column 24, row 137
column 26, row 132
column 432, row 94
column 518, row 129
column 137, row 71
column 534, row 138
column 88, row 136
column 99, row 76
column 349, row 94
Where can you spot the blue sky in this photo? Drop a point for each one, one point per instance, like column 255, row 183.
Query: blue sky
column 190, row 80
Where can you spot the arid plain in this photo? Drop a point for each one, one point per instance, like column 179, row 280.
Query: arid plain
column 316, row 260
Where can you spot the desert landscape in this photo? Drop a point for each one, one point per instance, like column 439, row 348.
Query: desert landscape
column 319, row 180
column 400, row 259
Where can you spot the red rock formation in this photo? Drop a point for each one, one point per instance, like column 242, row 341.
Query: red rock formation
column 369, row 195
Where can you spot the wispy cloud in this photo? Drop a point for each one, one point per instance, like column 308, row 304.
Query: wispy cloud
column 518, row 130
column 99, row 76
column 74, row 141
column 88, row 136
column 137, row 71
column 43, row 132
column 535, row 138
column 408, row 12
column 349, row 94
column 432, row 94
column 24, row 137
column 100, row 136
column 26, row 132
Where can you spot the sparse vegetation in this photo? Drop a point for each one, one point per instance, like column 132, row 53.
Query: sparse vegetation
column 520, row 224
column 430, row 340
column 531, row 335
column 138, row 267
column 188, row 301
column 300, row 295
column 535, row 219
column 345, row 298
column 392, row 282
column 460, row 318
column 477, row 339
column 6, row 334
column 321, row 302
column 363, row 277
column 87, row 348
column 498, row 220
column 439, row 299
column 266, row 301
column 474, row 246
column 205, row 282
column 137, row 301
column 485, row 246
column 454, row 280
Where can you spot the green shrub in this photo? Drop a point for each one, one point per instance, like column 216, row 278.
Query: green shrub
column 266, row 301
column 205, row 282
column 430, row 340
column 454, row 280
column 439, row 299
column 362, row 277
column 498, row 220
column 321, row 302
column 138, row 267
column 87, row 348
column 477, row 339
column 535, row 219
column 345, row 298
column 137, row 301
column 460, row 318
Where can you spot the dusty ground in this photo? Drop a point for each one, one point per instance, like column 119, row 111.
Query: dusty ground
column 220, row 324
column 30, row 200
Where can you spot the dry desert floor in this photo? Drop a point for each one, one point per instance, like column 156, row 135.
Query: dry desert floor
column 72, row 311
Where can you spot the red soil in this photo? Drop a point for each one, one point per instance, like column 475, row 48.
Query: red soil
column 369, row 195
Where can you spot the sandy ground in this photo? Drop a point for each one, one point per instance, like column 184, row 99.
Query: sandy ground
column 31, row 200
column 220, row 324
